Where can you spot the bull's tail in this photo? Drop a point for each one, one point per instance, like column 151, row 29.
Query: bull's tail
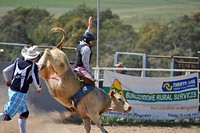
column 63, row 34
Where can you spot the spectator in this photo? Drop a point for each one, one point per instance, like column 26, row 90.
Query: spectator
column 120, row 65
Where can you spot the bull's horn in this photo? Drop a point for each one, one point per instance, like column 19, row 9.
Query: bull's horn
column 63, row 33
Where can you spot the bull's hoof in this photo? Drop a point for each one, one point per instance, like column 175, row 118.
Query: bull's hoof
column 72, row 109
column 71, row 116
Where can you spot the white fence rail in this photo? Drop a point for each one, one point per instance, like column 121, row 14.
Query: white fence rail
column 142, row 70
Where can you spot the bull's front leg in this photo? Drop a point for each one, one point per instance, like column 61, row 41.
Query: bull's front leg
column 95, row 117
column 87, row 125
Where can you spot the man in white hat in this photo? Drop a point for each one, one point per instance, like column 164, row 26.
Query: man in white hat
column 120, row 65
column 25, row 71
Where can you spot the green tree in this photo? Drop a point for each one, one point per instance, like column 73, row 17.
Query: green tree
column 149, row 38
column 182, row 36
column 18, row 26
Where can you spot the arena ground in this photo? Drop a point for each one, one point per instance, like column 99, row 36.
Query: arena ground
column 52, row 123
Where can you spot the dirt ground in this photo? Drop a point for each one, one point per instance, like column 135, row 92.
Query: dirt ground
column 52, row 123
column 40, row 122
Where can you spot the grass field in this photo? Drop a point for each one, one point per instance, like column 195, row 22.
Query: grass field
column 134, row 12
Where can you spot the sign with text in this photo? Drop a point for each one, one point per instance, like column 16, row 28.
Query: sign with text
column 163, row 98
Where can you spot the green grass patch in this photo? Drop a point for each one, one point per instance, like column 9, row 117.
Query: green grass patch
column 134, row 12
column 108, row 121
column 161, row 123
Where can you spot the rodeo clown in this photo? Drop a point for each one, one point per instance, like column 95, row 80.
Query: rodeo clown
column 24, row 72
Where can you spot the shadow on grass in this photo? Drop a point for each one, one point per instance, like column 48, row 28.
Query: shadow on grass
column 107, row 121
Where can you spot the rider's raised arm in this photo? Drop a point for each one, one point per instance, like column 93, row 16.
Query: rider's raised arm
column 89, row 24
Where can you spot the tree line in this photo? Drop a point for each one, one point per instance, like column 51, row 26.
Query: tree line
column 32, row 25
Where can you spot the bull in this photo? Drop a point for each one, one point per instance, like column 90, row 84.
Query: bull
column 63, row 84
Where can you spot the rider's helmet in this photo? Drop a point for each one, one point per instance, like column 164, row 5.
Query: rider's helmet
column 88, row 37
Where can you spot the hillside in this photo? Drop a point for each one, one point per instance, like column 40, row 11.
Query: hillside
column 134, row 12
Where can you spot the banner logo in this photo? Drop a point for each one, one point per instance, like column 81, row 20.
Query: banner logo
column 116, row 86
column 167, row 86
column 180, row 85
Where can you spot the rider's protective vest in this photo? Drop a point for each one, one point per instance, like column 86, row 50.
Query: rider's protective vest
column 79, row 62
column 22, row 75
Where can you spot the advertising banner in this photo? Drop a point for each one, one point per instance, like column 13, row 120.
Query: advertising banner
column 163, row 98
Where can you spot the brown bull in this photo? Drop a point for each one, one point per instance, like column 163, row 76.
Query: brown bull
column 62, row 84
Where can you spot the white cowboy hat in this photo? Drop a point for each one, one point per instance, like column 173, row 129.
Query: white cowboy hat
column 119, row 64
column 30, row 53
column 1, row 50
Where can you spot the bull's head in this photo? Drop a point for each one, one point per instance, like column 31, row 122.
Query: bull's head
column 119, row 103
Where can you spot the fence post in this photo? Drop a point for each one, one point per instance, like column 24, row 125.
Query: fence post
column 172, row 67
column 144, row 65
